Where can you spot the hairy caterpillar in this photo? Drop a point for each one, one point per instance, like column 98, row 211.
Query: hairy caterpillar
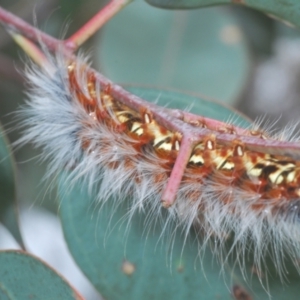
column 223, row 179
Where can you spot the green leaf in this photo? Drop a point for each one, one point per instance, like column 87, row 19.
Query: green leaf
column 287, row 10
column 8, row 205
column 23, row 276
column 130, row 262
column 126, row 265
column 200, row 51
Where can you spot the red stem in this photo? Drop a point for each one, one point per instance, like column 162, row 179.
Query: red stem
column 95, row 23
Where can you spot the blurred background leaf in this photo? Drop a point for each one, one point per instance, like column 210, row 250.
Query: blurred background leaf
column 8, row 204
column 201, row 51
column 287, row 11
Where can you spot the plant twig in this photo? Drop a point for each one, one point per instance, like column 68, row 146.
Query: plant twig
column 71, row 44
column 95, row 23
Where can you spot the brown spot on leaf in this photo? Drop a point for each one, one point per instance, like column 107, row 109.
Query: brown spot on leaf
column 239, row 293
column 128, row 268
column 230, row 35
column 238, row 1
column 180, row 267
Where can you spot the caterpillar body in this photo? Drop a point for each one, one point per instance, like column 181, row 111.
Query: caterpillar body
column 220, row 178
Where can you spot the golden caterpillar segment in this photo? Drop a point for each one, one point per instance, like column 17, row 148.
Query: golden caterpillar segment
column 274, row 178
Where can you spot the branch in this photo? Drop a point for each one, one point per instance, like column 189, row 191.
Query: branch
column 77, row 39
column 94, row 24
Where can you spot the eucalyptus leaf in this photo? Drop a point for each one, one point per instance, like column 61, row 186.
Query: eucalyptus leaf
column 287, row 10
column 8, row 204
column 124, row 264
column 23, row 276
column 201, row 51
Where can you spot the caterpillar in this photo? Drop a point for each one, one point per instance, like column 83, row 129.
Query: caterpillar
column 222, row 179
